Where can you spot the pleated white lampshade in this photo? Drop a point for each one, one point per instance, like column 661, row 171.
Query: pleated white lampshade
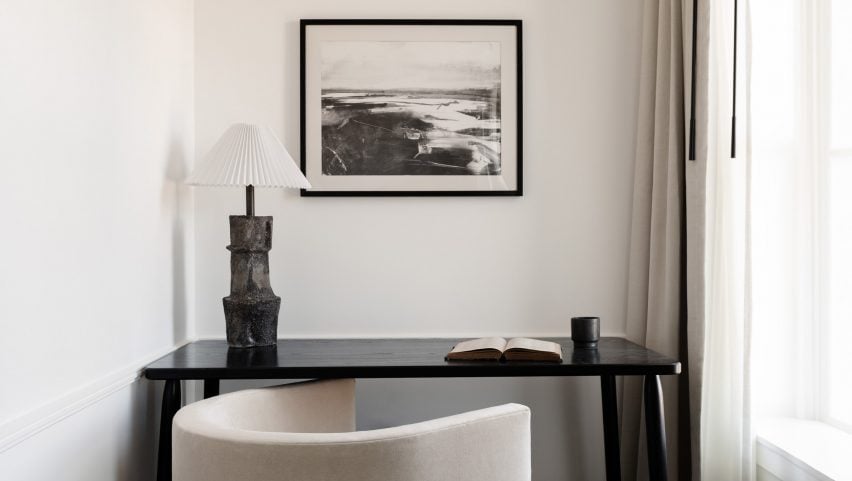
column 248, row 154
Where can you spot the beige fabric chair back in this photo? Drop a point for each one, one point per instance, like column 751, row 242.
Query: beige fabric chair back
column 305, row 432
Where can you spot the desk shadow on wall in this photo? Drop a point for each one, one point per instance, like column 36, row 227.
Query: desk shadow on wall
column 137, row 460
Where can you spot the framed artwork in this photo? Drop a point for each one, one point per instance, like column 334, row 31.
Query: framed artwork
column 411, row 107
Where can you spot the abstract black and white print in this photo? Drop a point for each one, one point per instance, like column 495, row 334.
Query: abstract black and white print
column 410, row 108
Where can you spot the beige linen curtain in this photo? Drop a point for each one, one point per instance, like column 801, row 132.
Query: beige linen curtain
column 665, row 305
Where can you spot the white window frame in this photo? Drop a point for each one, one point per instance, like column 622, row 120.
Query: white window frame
column 826, row 156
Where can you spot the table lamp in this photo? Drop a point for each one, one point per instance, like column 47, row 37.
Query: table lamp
column 249, row 156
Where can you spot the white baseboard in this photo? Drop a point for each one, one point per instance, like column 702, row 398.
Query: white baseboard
column 42, row 417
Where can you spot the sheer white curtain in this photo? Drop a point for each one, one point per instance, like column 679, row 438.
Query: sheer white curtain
column 769, row 230
column 723, row 447
column 725, row 403
column 801, row 198
column 784, row 118
column 714, row 347
column 768, row 264
column 753, row 223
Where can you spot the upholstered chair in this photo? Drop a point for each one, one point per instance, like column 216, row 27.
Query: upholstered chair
column 305, row 432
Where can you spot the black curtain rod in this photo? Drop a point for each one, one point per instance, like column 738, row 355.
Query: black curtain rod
column 692, row 90
column 733, row 82
column 734, row 96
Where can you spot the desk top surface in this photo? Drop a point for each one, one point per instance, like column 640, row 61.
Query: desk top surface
column 394, row 358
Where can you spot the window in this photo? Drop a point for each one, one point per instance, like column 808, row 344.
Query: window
column 801, row 209
column 837, row 408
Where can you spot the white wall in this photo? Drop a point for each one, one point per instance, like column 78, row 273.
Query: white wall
column 112, row 439
column 97, row 122
column 96, row 132
column 443, row 266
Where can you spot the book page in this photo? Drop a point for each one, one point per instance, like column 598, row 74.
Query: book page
column 527, row 344
column 496, row 343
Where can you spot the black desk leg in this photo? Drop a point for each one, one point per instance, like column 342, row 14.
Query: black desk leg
column 610, row 425
column 171, row 404
column 655, row 428
column 211, row 388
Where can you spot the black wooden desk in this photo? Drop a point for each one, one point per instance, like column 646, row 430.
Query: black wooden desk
column 211, row 361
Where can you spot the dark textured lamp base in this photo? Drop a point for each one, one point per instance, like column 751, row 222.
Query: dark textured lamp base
column 251, row 311
column 251, row 323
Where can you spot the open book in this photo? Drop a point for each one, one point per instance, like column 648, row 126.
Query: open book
column 497, row 348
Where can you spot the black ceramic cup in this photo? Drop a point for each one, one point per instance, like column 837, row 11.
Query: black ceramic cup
column 585, row 332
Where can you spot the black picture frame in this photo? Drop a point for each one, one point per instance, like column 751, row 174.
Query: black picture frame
column 518, row 91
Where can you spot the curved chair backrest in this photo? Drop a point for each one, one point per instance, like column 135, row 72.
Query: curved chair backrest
column 304, row 432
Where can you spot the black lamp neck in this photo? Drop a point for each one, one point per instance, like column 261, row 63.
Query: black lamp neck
column 250, row 200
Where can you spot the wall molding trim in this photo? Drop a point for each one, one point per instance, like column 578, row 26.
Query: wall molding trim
column 32, row 422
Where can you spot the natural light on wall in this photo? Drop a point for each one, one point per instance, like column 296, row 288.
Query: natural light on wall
column 801, row 209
